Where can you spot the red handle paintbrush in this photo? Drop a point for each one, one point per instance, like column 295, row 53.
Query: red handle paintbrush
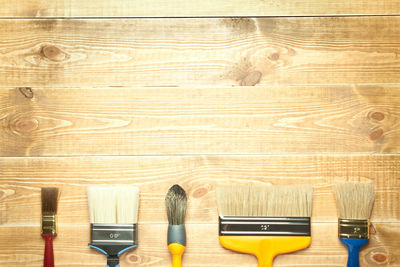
column 49, row 211
column 48, row 251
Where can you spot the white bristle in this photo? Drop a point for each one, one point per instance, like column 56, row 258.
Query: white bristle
column 101, row 204
column 127, row 204
column 277, row 201
column 354, row 200
column 116, row 204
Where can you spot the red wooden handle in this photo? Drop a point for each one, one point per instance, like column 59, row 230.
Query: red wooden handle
column 48, row 251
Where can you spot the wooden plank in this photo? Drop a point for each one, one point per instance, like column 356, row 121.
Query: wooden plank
column 200, row 52
column 185, row 8
column 199, row 175
column 149, row 121
column 23, row 246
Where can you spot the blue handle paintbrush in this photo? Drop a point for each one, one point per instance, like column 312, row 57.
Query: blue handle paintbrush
column 355, row 202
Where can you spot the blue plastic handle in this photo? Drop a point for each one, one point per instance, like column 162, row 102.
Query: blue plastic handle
column 353, row 246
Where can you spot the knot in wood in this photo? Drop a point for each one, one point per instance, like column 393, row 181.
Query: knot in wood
column 251, row 79
column 376, row 134
column 198, row 193
column 133, row 258
column 378, row 116
column 53, row 53
column 26, row 92
column 379, row 257
column 274, row 56
column 23, row 125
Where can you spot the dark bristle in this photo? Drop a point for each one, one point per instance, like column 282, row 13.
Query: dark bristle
column 175, row 202
column 49, row 200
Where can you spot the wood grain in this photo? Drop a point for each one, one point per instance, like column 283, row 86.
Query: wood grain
column 185, row 8
column 115, row 99
column 150, row 121
column 23, row 246
column 200, row 52
column 199, row 175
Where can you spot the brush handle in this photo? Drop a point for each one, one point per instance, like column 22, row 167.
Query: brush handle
column 176, row 243
column 353, row 246
column 176, row 251
column 48, row 250
column 112, row 251
column 177, row 261
column 265, row 248
column 265, row 260
column 112, row 262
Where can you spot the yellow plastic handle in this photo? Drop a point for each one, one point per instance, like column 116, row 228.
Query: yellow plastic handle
column 176, row 251
column 265, row 248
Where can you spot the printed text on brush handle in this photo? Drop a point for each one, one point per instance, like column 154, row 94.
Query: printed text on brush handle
column 104, row 233
column 353, row 228
column 264, row 226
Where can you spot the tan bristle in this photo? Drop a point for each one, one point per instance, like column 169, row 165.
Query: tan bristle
column 49, row 200
column 175, row 202
column 354, row 200
column 274, row 201
column 113, row 204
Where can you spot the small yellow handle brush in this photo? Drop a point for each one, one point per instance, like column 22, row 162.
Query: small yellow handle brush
column 264, row 221
column 175, row 202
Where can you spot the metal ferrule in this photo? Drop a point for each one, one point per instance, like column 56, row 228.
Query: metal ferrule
column 114, row 234
column 49, row 224
column 264, row 226
column 113, row 240
column 177, row 234
column 353, row 228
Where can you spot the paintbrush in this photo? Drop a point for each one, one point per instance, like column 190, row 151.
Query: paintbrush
column 175, row 202
column 354, row 202
column 264, row 220
column 113, row 212
column 49, row 220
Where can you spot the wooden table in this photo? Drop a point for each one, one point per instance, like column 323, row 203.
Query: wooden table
column 199, row 93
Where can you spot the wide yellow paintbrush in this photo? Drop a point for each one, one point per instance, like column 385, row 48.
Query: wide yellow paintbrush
column 264, row 220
